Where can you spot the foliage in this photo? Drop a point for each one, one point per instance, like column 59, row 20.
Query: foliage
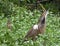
column 22, row 20
column 6, row 6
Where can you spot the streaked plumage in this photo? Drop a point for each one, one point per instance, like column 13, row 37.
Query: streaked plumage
column 39, row 28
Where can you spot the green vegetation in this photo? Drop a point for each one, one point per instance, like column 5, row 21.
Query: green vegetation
column 22, row 20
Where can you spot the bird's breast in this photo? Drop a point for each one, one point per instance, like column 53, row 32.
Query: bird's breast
column 35, row 26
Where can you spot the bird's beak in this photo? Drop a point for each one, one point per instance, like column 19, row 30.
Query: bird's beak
column 47, row 12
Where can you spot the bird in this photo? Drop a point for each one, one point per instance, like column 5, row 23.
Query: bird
column 9, row 24
column 38, row 28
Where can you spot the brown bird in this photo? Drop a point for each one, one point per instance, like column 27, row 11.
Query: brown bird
column 39, row 28
column 9, row 24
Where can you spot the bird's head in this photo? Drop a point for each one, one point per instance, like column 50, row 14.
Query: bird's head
column 43, row 17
